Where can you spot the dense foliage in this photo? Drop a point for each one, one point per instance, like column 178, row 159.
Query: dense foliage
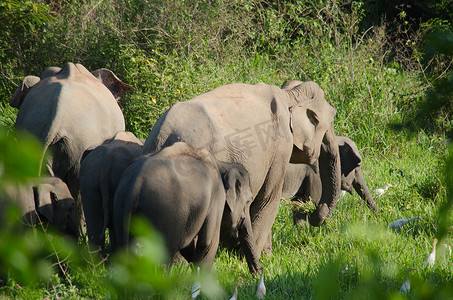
column 385, row 65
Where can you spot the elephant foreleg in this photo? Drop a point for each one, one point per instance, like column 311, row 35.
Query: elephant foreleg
column 265, row 206
column 248, row 245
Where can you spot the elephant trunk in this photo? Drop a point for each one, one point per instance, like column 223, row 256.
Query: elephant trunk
column 72, row 224
column 330, row 173
column 248, row 247
column 362, row 189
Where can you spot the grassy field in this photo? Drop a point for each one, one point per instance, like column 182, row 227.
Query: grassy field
column 378, row 76
column 356, row 255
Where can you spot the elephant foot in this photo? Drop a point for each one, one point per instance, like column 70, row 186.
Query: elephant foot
column 268, row 250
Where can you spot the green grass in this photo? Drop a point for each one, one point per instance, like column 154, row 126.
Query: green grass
column 355, row 235
column 355, row 249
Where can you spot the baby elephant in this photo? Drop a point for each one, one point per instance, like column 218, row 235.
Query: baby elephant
column 303, row 182
column 45, row 199
column 100, row 173
column 183, row 192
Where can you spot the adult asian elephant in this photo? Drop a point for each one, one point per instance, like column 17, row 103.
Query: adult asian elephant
column 184, row 193
column 262, row 127
column 69, row 110
column 45, row 199
column 303, row 182
column 100, row 173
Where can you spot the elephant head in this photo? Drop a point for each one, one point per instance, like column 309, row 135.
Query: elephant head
column 55, row 205
column 238, row 194
column 310, row 118
column 44, row 199
column 351, row 172
column 107, row 77
column 237, row 210
column 311, row 122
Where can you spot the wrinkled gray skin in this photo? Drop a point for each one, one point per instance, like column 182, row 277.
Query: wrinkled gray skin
column 262, row 127
column 100, row 173
column 183, row 192
column 69, row 110
column 45, row 199
column 303, row 182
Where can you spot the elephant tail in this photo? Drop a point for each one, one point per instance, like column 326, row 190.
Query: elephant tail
column 47, row 162
column 107, row 204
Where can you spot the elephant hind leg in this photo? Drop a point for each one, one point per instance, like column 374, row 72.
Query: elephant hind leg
column 94, row 216
column 188, row 252
column 207, row 242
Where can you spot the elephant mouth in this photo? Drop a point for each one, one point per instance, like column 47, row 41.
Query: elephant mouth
column 302, row 156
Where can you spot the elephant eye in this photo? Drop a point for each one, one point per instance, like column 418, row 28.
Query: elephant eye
column 312, row 117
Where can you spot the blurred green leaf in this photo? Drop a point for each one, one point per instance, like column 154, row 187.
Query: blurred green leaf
column 20, row 156
column 139, row 271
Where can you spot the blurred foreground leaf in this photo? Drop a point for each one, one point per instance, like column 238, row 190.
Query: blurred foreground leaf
column 140, row 271
column 20, row 156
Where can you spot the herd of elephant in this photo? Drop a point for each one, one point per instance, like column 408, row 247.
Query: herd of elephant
column 212, row 170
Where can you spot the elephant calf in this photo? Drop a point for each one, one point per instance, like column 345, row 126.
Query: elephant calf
column 184, row 192
column 303, row 182
column 45, row 199
column 100, row 173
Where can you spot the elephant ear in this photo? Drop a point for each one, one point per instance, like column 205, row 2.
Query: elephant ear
column 231, row 185
column 299, row 123
column 113, row 83
column 349, row 155
column 236, row 182
column 22, row 90
column 44, row 201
